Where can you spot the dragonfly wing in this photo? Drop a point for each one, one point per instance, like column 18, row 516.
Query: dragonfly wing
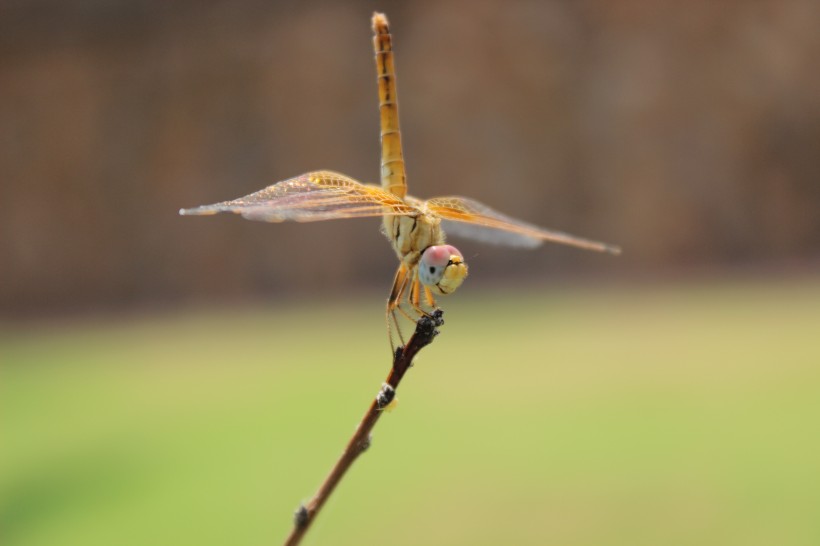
column 314, row 196
column 493, row 236
column 471, row 219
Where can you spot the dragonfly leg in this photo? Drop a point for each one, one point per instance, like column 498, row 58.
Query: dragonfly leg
column 415, row 292
column 393, row 304
column 406, row 300
column 411, row 294
column 428, row 295
column 414, row 298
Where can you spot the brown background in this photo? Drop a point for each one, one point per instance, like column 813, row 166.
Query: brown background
column 687, row 132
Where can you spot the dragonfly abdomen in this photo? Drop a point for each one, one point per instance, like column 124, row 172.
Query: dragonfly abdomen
column 393, row 174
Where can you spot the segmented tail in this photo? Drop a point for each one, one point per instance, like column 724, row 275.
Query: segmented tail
column 394, row 177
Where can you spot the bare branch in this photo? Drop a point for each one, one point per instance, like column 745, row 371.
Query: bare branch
column 402, row 360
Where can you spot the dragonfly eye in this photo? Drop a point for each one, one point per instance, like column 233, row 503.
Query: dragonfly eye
column 442, row 268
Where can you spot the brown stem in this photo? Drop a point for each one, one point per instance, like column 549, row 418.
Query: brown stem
column 402, row 360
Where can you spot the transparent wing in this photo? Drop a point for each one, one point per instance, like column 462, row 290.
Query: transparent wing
column 314, row 196
column 493, row 236
column 468, row 218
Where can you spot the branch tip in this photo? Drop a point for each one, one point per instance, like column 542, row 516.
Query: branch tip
column 426, row 326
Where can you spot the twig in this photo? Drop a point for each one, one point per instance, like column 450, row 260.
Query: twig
column 402, row 360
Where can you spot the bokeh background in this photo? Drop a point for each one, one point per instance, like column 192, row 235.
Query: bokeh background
column 168, row 380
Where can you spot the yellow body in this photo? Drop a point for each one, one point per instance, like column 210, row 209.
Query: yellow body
column 393, row 174
column 411, row 225
column 410, row 235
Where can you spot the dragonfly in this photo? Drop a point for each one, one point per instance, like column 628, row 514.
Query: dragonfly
column 428, row 266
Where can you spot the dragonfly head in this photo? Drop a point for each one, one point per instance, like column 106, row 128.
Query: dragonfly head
column 442, row 268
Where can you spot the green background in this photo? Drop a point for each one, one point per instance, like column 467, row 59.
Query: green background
column 682, row 413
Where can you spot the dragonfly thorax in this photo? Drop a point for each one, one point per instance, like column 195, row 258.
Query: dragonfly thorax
column 410, row 235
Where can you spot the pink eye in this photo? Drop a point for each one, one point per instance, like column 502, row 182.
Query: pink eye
column 434, row 260
column 435, row 256
column 439, row 255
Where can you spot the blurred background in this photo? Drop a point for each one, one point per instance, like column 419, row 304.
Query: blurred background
column 168, row 380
